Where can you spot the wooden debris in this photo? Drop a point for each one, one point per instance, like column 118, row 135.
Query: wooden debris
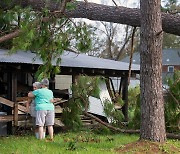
column 11, row 104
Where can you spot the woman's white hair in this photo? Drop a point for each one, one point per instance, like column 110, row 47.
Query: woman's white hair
column 45, row 82
column 37, row 84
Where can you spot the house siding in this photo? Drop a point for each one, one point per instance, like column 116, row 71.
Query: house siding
column 165, row 68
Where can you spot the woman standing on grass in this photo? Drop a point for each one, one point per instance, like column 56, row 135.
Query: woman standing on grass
column 30, row 107
column 44, row 108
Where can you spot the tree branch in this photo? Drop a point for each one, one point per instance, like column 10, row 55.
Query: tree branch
column 172, row 95
column 92, row 11
column 9, row 36
column 131, row 55
column 110, row 126
column 129, row 131
column 126, row 40
column 18, row 31
column 62, row 7
column 122, row 15
column 114, row 2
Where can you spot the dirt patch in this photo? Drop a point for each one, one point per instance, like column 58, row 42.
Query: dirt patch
column 140, row 147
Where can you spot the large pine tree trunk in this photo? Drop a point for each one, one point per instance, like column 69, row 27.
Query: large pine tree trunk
column 152, row 104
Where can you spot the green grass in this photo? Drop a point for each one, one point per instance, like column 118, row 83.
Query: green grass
column 80, row 142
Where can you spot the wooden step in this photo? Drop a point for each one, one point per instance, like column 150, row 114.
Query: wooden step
column 60, row 102
column 8, row 118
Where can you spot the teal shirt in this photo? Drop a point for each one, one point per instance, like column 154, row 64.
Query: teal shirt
column 42, row 99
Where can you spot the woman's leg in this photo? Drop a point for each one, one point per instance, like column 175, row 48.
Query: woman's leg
column 40, row 121
column 37, row 132
column 44, row 131
column 50, row 131
column 41, row 132
column 50, row 122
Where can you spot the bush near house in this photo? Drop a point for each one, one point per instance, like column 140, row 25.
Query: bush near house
column 87, row 86
column 172, row 105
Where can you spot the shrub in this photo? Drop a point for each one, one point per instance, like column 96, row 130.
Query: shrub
column 115, row 116
column 85, row 87
column 172, row 103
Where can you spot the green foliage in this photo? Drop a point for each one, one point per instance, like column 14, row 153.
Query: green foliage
column 44, row 33
column 83, row 34
column 132, row 96
column 134, row 121
column 172, row 105
column 71, row 114
column 171, row 41
column 103, row 130
column 82, row 142
column 8, row 23
column 72, row 146
column 171, row 6
column 134, row 107
column 118, row 100
column 85, row 87
column 115, row 116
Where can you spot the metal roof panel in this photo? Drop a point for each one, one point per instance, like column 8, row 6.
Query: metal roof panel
column 68, row 59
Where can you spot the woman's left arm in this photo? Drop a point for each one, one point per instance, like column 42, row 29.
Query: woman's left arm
column 30, row 94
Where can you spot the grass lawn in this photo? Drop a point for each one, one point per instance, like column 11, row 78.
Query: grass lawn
column 84, row 143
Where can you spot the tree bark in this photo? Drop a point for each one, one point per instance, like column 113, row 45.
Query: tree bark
column 92, row 11
column 152, row 104
column 10, row 36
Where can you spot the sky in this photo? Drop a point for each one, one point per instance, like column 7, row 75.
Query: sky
column 127, row 3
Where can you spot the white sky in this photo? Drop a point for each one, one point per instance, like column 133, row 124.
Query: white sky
column 127, row 3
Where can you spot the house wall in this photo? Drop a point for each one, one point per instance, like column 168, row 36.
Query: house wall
column 63, row 81
column 165, row 68
column 166, row 75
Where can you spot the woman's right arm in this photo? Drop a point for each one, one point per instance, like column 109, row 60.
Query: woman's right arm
column 31, row 95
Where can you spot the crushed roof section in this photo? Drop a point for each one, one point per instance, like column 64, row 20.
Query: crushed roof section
column 68, row 59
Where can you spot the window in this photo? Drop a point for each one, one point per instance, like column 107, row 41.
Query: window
column 170, row 68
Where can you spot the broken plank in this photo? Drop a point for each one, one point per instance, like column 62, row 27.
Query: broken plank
column 58, row 123
column 11, row 104
column 60, row 102
column 7, row 118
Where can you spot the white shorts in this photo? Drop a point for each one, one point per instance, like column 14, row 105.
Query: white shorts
column 45, row 117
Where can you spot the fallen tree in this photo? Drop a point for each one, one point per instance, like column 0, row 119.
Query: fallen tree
column 93, row 11
column 79, row 105
column 129, row 131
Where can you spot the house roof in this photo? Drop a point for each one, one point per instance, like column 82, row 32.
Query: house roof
column 169, row 57
column 68, row 59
